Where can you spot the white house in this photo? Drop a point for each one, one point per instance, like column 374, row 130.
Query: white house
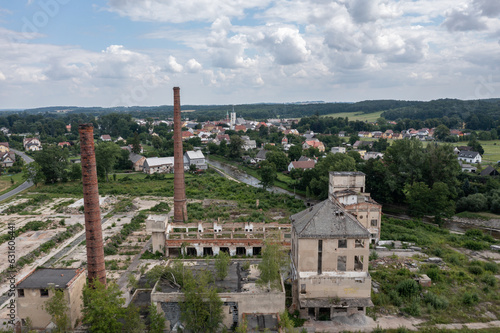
column 469, row 156
column 196, row 158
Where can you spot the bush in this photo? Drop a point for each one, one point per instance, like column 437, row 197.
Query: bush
column 413, row 309
column 436, row 301
column 474, row 245
column 491, row 267
column 476, row 270
column 408, row 288
column 373, row 255
column 470, row 299
column 490, row 280
column 395, row 298
column 434, row 273
column 473, row 203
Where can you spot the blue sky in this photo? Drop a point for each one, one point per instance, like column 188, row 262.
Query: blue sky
column 132, row 52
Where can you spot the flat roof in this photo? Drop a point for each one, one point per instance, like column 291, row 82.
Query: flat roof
column 45, row 277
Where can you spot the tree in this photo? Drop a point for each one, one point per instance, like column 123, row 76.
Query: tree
column 102, row 307
column 235, row 146
column 75, row 172
column 267, row 173
column 57, row 307
column 222, row 262
column 423, row 200
column 223, row 149
column 476, row 146
column 156, row 320
column 279, row 159
column 201, row 310
column 53, row 162
column 33, row 172
column 274, row 263
column 295, row 152
column 136, row 144
column 133, row 321
column 106, row 154
column 441, row 132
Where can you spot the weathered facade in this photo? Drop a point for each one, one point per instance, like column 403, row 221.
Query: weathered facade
column 35, row 289
column 330, row 251
column 348, row 190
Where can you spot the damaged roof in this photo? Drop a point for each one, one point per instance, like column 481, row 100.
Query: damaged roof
column 327, row 220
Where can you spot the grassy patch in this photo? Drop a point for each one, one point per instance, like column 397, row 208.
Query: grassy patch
column 353, row 116
column 491, row 151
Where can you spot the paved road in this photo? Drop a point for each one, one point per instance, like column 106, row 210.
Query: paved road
column 23, row 186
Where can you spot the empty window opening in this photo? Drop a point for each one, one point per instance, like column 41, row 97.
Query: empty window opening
column 341, row 263
column 191, row 251
column 324, row 314
column 342, row 243
column 20, row 292
column 174, row 252
column 303, row 288
column 44, row 293
column 257, row 251
column 358, row 263
column 340, row 310
column 361, row 309
column 207, row 251
column 311, row 312
column 320, row 256
column 359, row 243
column 224, row 249
column 241, row 251
column 374, row 223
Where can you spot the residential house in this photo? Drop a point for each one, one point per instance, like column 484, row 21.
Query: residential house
column 187, row 135
column 196, row 158
column 303, row 165
column 360, row 144
column 314, row 144
column 340, row 150
column 248, row 144
column 342, row 134
column 261, row 155
column 7, row 159
column 489, row 171
column 469, row 156
column 64, row 144
column 4, row 130
column 240, row 128
column 387, row 134
column 364, row 134
column 304, row 158
column 329, row 266
column 372, row 154
column 37, row 287
column 32, row 144
column 455, row 132
column 158, row 165
column 137, row 161
column 467, row 167
column 106, row 137
column 4, row 147
column 284, row 140
column 219, row 138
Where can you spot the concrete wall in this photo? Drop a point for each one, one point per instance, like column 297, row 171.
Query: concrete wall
column 31, row 305
column 332, row 287
column 365, row 213
column 343, row 182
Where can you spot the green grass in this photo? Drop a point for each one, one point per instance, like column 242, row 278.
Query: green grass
column 371, row 117
column 491, row 151
column 6, row 185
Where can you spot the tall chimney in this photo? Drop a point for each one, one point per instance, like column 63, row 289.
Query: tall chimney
column 93, row 228
column 180, row 208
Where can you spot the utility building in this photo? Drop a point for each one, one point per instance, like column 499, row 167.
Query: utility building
column 330, row 255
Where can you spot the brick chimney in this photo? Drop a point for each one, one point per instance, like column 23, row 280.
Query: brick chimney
column 180, row 208
column 93, row 227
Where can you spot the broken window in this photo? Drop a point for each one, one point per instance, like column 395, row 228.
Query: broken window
column 358, row 263
column 224, row 249
column 359, row 243
column 191, row 251
column 341, row 263
column 320, row 256
column 374, row 223
column 44, row 293
column 342, row 243
column 257, row 251
column 302, row 288
column 241, row 251
column 207, row 251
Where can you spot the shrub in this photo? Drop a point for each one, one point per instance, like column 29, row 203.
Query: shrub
column 490, row 280
column 470, row 298
column 408, row 288
column 413, row 309
column 476, row 270
column 491, row 267
column 373, row 255
column 436, row 301
column 474, row 245
column 434, row 273
column 395, row 298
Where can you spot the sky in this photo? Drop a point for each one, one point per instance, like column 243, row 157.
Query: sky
column 132, row 52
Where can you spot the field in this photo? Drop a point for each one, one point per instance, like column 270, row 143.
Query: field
column 491, row 150
column 371, row 117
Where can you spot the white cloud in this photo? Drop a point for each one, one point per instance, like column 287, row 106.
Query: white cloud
column 182, row 11
column 285, row 44
column 193, row 66
column 173, row 65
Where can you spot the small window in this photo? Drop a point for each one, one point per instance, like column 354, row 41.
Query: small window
column 342, row 243
column 358, row 263
column 44, row 293
column 374, row 223
column 20, row 292
column 360, row 243
column 341, row 263
column 302, row 288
